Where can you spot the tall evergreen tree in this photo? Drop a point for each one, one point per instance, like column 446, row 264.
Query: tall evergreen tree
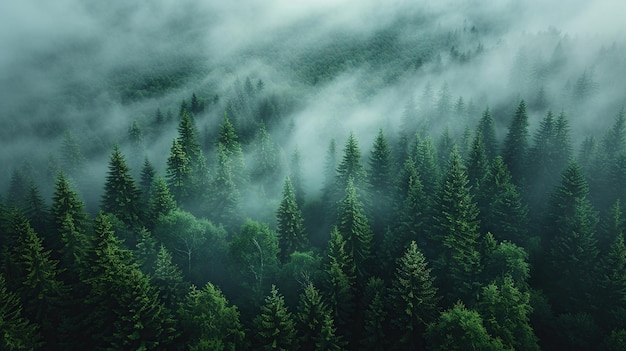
column 350, row 166
column 612, row 284
column 148, row 173
column 225, row 206
column 380, row 180
column 168, row 278
column 311, row 317
column 477, row 165
column 487, row 129
column 426, row 162
column 274, row 326
column 161, row 201
column 375, row 335
column 16, row 331
column 65, row 203
column 515, row 146
column 121, row 196
column 295, row 174
column 179, row 172
column 502, row 211
column 291, row 234
column 414, row 299
column 229, row 141
column 267, row 166
column 354, row 228
column 454, row 237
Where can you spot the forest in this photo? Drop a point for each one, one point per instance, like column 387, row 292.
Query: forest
column 358, row 175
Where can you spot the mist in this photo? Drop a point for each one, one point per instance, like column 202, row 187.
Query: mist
column 95, row 69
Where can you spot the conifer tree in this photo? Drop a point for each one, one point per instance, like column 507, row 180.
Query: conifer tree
column 502, row 211
column 295, row 174
column 477, row 165
column 16, row 331
column 515, row 146
column 168, row 278
column 310, row 317
column 209, row 322
column 121, row 196
column 426, row 162
column 445, row 144
column 274, row 326
column 267, row 167
column 229, row 141
column 291, row 233
column 612, row 283
column 350, row 166
column 341, row 281
column 36, row 210
column 148, row 173
column 413, row 297
column 225, row 206
column 65, row 204
column 161, row 201
column 354, row 228
column 374, row 336
column 328, row 339
column 72, row 157
column 380, row 180
column 179, row 172
column 506, row 315
column 454, row 237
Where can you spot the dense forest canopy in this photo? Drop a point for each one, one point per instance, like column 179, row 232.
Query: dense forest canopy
column 315, row 175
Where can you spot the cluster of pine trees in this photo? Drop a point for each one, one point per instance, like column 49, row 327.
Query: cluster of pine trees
column 422, row 244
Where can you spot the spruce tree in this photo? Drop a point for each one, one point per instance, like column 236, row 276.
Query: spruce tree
column 16, row 331
column 179, row 172
column 380, row 180
column 65, row 204
column 291, row 234
column 267, row 165
column 350, row 166
column 414, row 299
column 229, row 141
column 295, row 174
column 161, row 201
column 374, row 335
column 612, row 285
column 354, row 228
column 121, row 196
column 426, row 162
column 454, row 237
column 225, row 196
column 310, row 317
column 515, row 146
column 148, row 173
column 477, row 165
column 168, row 278
column 274, row 326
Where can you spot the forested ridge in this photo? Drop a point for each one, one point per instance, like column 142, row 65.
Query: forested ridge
column 375, row 190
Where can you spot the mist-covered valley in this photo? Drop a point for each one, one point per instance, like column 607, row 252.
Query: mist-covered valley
column 313, row 175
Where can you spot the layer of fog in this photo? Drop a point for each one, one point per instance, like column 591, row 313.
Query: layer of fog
column 61, row 62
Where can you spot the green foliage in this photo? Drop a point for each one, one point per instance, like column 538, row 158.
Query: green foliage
column 515, row 146
column 254, row 254
column 380, row 180
column 168, row 278
column 16, row 332
column 274, row 326
column 454, row 238
column 375, row 320
column 226, row 202
column 341, row 281
column 413, row 297
column 350, row 166
column 311, row 314
column 121, row 196
column 178, row 172
column 354, row 228
column 161, row 202
column 209, row 322
column 461, row 329
column 291, row 233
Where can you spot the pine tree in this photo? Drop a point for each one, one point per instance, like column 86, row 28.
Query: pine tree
column 477, row 165
column 179, row 172
column 168, row 278
column 374, row 336
column 40, row 288
column 225, row 208
column 341, row 281
column 209, row 322
column 291, row 233
column 354, row 228
column 454, row 237
column 16, row 331
column 445, row 144
column 426, row 163
column 487, row 129
column 502, row 211
column 413, row 297
column 612, row 284
column 148, row 173
column 274, row 326
column 310, row 317
column 161, row 201
column 350, row 166
column 515, row 147
column 229, row 141
column 121, row 196
column 381, row 184
column 65, row 204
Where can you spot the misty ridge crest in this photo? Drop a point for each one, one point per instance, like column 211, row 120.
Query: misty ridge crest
column 323, row 175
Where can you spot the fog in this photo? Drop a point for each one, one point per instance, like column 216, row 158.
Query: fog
column 90, row 69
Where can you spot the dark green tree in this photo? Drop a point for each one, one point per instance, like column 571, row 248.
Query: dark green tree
column 354, row 227
column 426, row 162
column 380, row 179
column 414, row 299
column 461, row 329
column 226, row 201
column 310, row 317
column 121, row 196
column 291, row 234
column 502, row 211
column 477, row 165
column 612, row 282
column 454, row 237
column 168, row 279
column 505, row 311
column 267, row 165
column 229, row 141
column 179, row 172
column 295, row 174
column 487, row 129
column 515, row 146
column 65, row 204
column 161, row 201
column 350, row 166
column 148, row 173
column 274, row 326
column 374, row 335
column 209, row 322
column 16, row 331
